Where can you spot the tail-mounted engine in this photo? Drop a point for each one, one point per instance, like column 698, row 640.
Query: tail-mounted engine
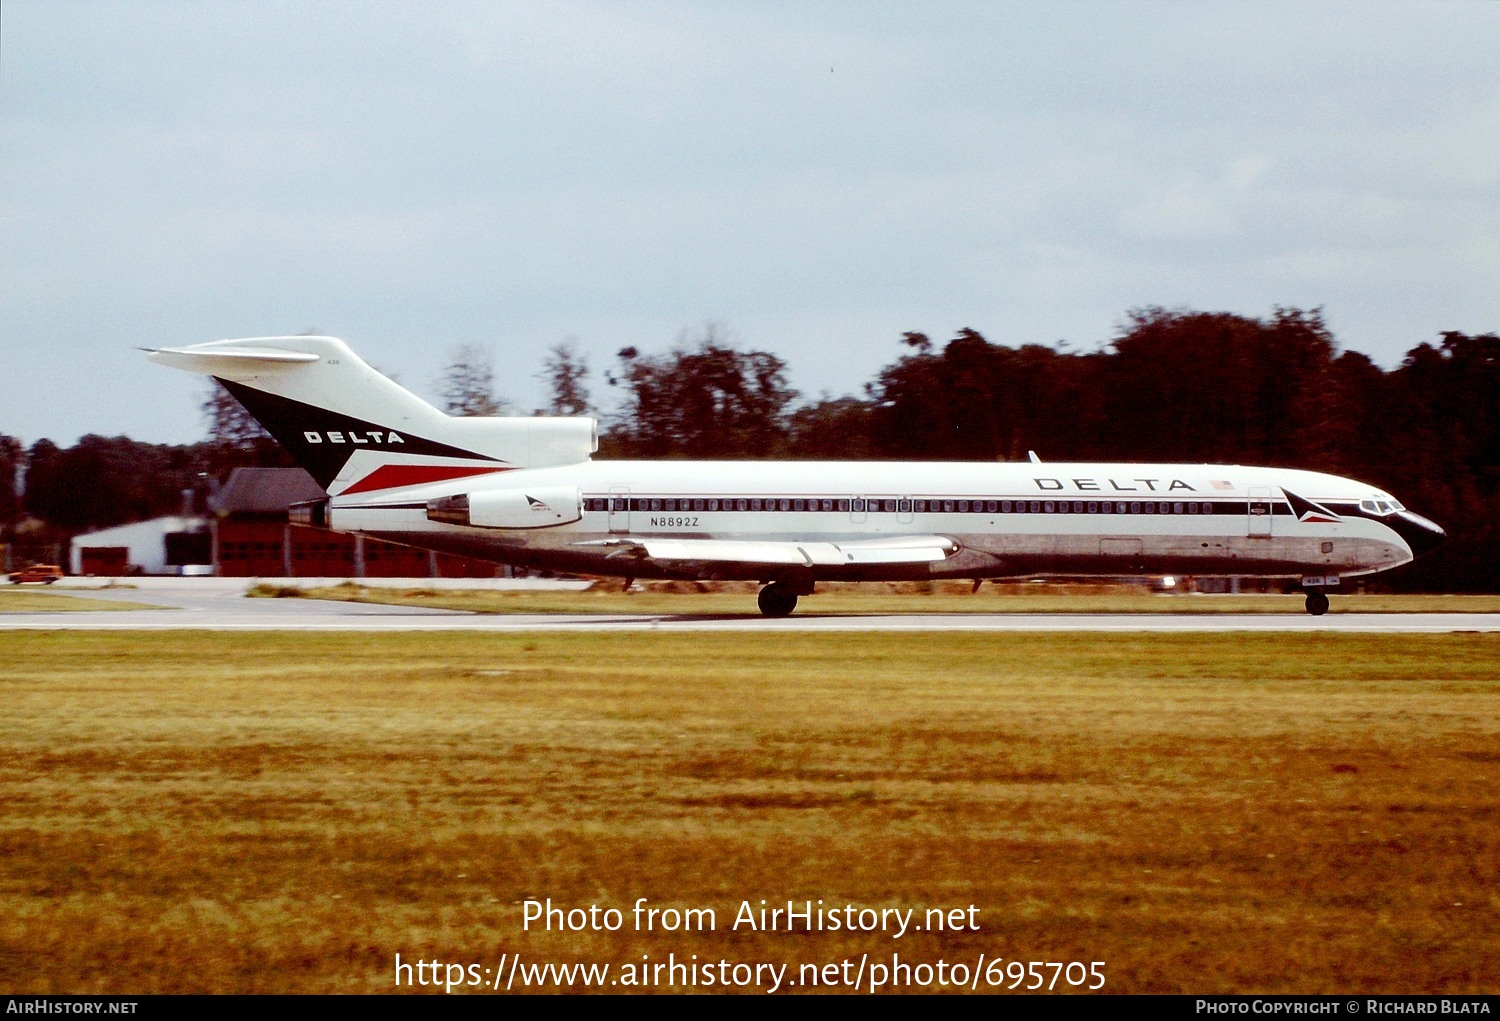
column 310, row 513
column 542, row 507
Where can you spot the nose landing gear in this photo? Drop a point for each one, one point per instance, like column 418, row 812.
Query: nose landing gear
column 1317, row 603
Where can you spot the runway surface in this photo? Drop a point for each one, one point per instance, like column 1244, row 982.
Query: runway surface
column 213, row 604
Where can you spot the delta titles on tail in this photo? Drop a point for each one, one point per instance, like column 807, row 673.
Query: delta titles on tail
column 525, row 491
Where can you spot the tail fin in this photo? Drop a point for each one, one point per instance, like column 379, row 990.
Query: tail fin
column 355, row 430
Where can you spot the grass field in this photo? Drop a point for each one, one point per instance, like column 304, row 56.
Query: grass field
column 1204, row 813
column 730, row 598
column 19, row 600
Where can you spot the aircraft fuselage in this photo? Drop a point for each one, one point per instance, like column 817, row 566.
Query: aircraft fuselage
column 1007, row 520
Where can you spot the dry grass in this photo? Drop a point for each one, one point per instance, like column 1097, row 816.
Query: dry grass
column 13, row 600
column 732, row 599
column 1204, row 812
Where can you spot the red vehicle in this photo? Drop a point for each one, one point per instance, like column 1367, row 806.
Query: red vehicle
column 44, row 573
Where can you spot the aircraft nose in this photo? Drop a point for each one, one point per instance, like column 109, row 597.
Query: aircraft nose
column 1421, row 534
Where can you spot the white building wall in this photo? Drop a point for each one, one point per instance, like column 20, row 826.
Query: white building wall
column 146, row 541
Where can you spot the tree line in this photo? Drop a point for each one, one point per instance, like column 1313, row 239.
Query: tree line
column 1174, row 385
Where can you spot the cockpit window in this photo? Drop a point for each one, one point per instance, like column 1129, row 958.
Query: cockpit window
column 1381, row 505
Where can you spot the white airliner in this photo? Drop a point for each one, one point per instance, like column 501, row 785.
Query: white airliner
column 524, row 491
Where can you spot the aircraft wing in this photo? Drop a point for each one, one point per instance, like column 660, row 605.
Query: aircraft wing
column 903, row 549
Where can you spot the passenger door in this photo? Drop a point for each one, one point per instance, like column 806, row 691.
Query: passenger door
column 619, row 508
column 1260, row 509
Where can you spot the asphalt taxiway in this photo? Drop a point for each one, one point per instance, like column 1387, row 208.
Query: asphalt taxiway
column 215, row 604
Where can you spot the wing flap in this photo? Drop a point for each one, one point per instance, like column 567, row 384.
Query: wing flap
column 910, row 549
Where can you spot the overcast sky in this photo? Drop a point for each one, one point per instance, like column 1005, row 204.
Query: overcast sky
column 817, row 177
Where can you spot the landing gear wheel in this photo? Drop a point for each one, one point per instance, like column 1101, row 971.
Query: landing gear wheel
column 1317, row 603
column 776, row 600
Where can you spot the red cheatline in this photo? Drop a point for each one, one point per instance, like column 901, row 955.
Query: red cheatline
column 393, row 476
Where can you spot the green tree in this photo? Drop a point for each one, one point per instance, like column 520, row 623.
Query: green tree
column 229, row 425
column 235, row 438
column 705, row 398
column 832, row 429
column 12, row 457
column 1214, row 386
column 979, row 401
column 467, row 386
column 566, row 372
column 103, row 481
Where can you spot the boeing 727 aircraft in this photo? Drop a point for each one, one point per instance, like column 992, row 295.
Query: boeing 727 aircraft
column 525, row 491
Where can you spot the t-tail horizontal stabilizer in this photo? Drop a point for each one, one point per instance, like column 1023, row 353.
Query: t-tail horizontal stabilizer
column 357, row 431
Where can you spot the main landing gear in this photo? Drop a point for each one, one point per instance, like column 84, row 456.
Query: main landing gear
column 1317, row 603
column 777, row 600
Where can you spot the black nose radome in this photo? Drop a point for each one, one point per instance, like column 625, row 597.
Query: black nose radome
column 1422, row 535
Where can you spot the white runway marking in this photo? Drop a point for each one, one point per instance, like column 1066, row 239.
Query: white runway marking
column 219, row 604
column 354, row 617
